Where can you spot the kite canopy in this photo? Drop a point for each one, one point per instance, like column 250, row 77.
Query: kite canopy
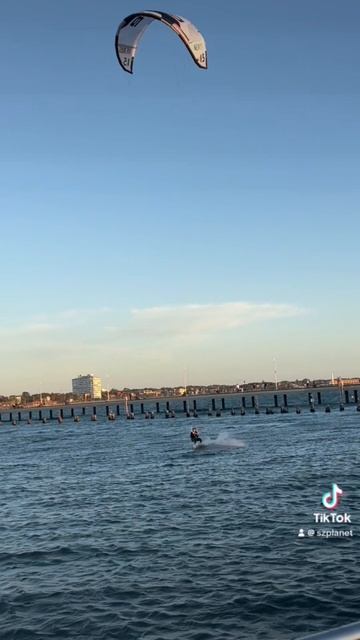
column 133, row 27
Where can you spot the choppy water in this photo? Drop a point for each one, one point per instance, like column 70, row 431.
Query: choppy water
column 121, row 530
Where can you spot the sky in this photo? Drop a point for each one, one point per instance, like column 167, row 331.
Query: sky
column 179, row 224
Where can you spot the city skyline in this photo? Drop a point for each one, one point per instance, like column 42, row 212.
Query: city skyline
column 275, row 380
column 179, row 220
column 85, row 391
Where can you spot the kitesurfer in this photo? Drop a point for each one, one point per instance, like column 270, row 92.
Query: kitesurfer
column 194, row 435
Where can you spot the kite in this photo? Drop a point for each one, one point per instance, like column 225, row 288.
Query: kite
column 133, row 27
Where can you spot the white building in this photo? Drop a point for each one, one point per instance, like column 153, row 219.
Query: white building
column 87, row 386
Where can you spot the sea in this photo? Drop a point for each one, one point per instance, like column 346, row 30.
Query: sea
column 121, row 529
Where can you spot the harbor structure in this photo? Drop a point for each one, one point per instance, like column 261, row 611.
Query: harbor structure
column 266, row 403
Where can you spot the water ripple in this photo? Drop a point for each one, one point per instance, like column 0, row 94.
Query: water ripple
column 113, row 531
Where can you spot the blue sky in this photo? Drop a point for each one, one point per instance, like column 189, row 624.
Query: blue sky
column 178, row 218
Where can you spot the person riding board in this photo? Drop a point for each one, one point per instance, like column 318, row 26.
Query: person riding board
column 194, row 435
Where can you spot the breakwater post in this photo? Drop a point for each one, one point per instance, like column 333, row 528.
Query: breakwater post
column 192, row 404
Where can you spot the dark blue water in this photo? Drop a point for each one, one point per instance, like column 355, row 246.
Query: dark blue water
column 121, row 530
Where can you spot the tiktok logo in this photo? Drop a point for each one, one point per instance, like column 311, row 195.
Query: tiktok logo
column 331, row 500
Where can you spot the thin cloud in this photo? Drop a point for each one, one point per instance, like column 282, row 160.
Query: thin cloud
column 83, row 313
column 30, row 329
column 52, row 323
column 210, row 318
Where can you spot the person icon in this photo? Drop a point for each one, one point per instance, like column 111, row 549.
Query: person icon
column 301, row 533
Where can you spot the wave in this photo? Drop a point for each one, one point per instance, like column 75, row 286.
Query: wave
column 223, row 441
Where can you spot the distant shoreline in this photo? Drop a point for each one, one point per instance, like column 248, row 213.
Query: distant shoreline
column 171, row 398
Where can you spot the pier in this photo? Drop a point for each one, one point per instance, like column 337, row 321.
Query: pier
column 267, row 403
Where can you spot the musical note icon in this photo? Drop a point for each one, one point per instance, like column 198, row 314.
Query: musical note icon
column 331, row 500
